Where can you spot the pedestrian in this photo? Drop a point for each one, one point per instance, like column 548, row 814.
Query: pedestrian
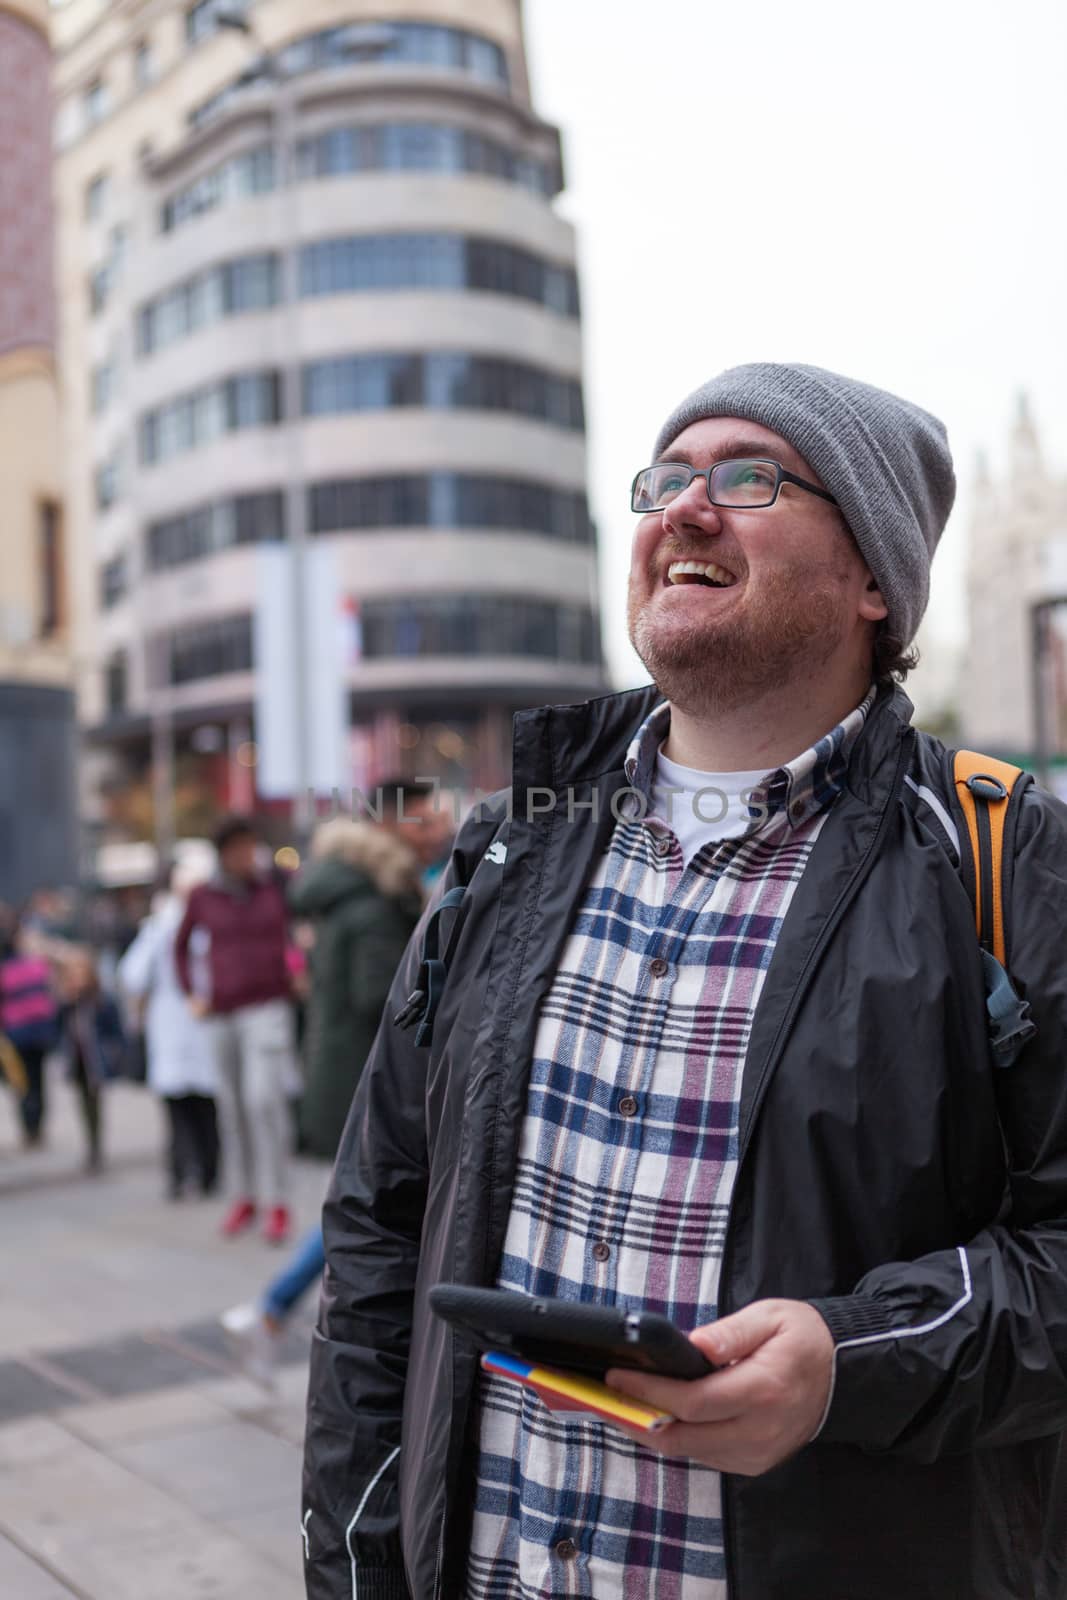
column 29, row 1019
column 93, row 1041
column 711, row 1040
column 178, row 1044
column 361, row 892
column 230, row 952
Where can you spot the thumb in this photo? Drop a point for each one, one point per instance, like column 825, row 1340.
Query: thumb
column 740, row 1334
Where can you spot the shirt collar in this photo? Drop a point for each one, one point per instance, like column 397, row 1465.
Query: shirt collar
column 802, row 787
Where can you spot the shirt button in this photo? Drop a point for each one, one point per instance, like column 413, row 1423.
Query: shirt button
column 601, row 1251
column 627, row 1106
column 658, row 967
column 566, row 1549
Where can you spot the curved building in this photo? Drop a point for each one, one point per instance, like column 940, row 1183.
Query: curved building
column 37, row 834
column 328, row 324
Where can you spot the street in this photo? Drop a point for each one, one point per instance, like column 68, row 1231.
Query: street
column 136, row 1463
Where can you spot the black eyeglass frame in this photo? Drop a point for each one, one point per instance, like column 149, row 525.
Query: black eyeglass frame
column 782, row 476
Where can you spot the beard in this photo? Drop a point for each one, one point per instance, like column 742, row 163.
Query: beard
column 785, row 632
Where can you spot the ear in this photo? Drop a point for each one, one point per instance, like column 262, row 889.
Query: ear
column 872, row 608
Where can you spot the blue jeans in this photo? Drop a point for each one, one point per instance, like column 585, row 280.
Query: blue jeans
column 304, row 1269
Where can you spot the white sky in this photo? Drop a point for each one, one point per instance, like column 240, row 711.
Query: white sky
column 879, row 189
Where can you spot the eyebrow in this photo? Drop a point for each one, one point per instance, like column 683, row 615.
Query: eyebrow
column 730, row 450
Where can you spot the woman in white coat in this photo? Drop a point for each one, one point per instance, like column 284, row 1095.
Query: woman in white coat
column 178, row 1045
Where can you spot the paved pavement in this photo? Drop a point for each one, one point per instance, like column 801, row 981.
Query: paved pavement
column 135, row 1462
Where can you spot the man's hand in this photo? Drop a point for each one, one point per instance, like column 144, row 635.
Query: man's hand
column 766, row 1403
column 199, row 1006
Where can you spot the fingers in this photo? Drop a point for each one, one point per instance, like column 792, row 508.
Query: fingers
column 743, row 1333
column 712, row 1399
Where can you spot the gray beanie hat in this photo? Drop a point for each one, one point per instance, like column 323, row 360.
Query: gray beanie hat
column 885, row 461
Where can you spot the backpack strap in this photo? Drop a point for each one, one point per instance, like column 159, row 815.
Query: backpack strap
column 984, row 790
column 422, row 1003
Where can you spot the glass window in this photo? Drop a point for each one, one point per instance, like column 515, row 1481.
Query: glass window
column 96, row 102
column 472, row 625
column 116, row 686
column 106, row 481
column 99, row 290
column 208, row 649
column 50, row 566
column 449, row 500
column 143, row 64
column 97, row 193
column 113, row 581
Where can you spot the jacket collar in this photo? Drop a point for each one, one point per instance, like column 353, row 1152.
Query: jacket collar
column 796, row 791
column 559, row 745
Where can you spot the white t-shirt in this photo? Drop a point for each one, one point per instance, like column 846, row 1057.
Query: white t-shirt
column 702, row 806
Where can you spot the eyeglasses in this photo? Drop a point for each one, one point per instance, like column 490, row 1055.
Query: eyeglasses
column 741, row 485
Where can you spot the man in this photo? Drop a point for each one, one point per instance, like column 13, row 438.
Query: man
column 718, row 1048
column 230, row 952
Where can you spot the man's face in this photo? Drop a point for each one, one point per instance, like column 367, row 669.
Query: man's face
column 238, row 858
column 426, row 828
column 795, row 594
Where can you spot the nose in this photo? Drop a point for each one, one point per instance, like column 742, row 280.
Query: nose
column 692, row 510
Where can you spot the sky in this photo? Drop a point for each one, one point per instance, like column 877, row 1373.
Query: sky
column 878, row 189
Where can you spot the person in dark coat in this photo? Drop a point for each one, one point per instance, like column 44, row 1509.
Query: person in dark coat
column 361, row 889
column 93, row 1041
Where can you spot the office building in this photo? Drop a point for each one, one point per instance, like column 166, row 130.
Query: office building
column 317, row 299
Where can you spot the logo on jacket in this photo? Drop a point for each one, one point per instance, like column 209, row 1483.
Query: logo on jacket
column 497, row 853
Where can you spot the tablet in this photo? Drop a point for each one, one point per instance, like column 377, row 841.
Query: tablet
column 569, row 1333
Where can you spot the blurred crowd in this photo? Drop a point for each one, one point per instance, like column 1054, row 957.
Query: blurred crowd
column 244, row 998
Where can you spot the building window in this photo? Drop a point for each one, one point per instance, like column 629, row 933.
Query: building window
column 102, row 386
column 449, row 500
column 479, row 625
column 107, row 484
column 116, row 683
column 96, row 103
column 250, row 173
column 200, row 531
column 250, row 283
column 443, row 381
column 50, row 545
column 418, row 147
column 247, row 400
column 435, row 261
column 113, row 581
column 99, row 290
column 207, row 649
column 144, row 70
column 201, row 20
column 97, row 193
column 413, row 44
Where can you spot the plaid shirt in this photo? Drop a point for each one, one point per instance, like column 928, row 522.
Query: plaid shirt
column 626, row 1167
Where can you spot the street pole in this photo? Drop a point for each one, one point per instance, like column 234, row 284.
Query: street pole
column 296, row 527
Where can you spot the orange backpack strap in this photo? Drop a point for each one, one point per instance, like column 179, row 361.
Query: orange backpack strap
column 983, row 791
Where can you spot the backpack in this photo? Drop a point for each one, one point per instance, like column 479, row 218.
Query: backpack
column 986, row 795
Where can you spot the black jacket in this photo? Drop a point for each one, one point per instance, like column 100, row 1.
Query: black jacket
column 886, row 1171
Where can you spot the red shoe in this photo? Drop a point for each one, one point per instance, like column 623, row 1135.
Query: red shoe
column 276, row 1228
column 240, row 1216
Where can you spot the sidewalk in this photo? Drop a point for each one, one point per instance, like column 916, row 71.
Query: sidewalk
column 135, row 1463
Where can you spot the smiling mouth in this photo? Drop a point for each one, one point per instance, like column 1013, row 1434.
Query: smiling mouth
column 704, row 573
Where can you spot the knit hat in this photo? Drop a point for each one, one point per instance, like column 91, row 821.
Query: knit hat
column 885, row 461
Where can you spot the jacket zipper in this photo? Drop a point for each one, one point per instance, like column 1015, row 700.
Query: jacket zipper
column 829, row 928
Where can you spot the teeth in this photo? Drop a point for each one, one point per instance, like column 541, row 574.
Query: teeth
column 699, row 569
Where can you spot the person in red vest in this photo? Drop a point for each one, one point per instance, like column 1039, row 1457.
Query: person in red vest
column 230, row 953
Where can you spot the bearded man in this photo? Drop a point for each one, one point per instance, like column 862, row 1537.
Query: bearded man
column 713, row 1044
